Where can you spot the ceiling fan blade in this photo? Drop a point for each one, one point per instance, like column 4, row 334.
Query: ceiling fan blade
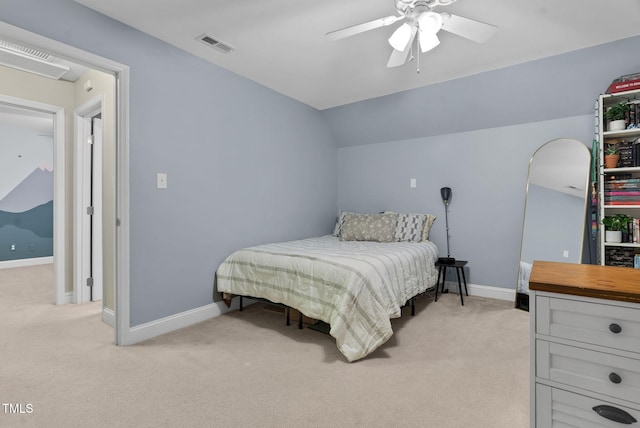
column 361, row 28
column 397, row 57
column 468, row 28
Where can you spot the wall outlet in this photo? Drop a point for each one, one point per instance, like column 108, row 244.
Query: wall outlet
column 412, row 183
column 565, row 253
column 12, row 247
column 161, row 180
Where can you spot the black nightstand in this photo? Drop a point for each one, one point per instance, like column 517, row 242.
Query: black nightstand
column 442, row 271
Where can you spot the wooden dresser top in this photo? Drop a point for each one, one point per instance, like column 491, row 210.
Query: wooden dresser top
column 602, row 282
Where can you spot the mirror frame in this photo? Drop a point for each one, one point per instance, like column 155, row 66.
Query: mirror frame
column 522, row 299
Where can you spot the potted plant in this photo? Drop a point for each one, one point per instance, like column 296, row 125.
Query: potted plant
column 615, row 225
column 616, row 116
column 611, row 156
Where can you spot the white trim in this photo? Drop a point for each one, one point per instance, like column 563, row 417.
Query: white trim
column 122, row 291
column 59, row 209
column 121, row 72
column 8, row 264
column 59, row 212
column 108, row 316
column 171, row 323
column 484, row 291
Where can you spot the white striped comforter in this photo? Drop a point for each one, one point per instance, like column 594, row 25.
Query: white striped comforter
column 355, row 286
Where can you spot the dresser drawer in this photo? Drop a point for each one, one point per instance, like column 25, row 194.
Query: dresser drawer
column 596, row 323
column 559, row 408
column 607, row 374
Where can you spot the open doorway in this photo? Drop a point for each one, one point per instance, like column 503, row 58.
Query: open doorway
column 115, row 176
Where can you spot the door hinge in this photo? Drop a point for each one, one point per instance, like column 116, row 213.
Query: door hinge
column 89, row 210
column 89, row 282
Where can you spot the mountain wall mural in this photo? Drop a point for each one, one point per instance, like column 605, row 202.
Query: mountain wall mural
column 26, row 218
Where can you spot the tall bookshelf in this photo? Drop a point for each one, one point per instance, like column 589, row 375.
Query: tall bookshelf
column 619, row 187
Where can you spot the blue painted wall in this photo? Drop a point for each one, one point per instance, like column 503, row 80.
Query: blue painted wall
column 487, row 171
column 476, row 135
column 554, row 87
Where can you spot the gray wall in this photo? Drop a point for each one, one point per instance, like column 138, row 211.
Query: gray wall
column 476, row 135
column 559, row 86
column 245, row 165
column 487, row 171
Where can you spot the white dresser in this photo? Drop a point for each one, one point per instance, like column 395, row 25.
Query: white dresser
column 585, row 346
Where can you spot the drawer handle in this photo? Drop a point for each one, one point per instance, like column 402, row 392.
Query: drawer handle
column 615, row 328
column 615, row 378
column 615, row 414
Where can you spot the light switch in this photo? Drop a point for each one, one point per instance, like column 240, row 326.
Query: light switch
column 162, row 180
column 412, row 183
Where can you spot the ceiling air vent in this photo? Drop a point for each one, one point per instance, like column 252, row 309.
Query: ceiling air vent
column 215, row 43
column 30, row 60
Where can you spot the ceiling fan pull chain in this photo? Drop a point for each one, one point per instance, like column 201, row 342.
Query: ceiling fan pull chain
column 418, row 53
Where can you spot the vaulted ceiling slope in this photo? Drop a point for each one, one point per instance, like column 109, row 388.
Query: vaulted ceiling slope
column 282, row 44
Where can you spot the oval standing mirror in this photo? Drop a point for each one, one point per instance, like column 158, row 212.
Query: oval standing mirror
column 555, row 208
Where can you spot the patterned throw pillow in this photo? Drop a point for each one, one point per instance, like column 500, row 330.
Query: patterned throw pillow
column 339, row 222
column 369, row 227
column 410, row 227
column 427, row 226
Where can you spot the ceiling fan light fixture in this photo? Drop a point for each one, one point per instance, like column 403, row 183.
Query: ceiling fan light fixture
column 430, row 22
column 400, row 38
column 428, row 41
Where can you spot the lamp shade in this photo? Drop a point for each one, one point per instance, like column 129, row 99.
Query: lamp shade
column 430, row 22
column 446, row 194
column 428, row 41
column 400, row 38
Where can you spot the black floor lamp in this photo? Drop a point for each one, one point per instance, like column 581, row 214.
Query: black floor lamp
column 445, row 192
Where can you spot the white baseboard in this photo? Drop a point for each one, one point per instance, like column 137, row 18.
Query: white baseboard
column 26, row 262
column 484, row 291
column 171, row 323
column 109, row 317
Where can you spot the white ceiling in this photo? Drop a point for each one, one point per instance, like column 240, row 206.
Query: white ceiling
column 281, row 44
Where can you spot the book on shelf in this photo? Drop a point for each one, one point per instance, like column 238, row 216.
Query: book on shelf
column 629, row 85
column 632, row 234
column 621, row 197
column 622, row 178
column 627, row 82
column 620, row 256
column 623, row 203
column 617, row 176
column 629, row 187
column 622, row 192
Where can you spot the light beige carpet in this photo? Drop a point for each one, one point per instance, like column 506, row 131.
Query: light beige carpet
column 449, row 366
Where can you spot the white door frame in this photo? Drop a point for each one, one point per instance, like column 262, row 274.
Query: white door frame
column 82, row 119
column 59, row 231
column 123, row 334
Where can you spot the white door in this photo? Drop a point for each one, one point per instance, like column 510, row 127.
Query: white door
column 88, row 284
column 96, row 219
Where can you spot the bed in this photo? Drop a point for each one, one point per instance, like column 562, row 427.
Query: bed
column 354, row 285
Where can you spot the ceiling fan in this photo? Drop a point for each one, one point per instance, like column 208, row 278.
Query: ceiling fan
column 422, row 21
